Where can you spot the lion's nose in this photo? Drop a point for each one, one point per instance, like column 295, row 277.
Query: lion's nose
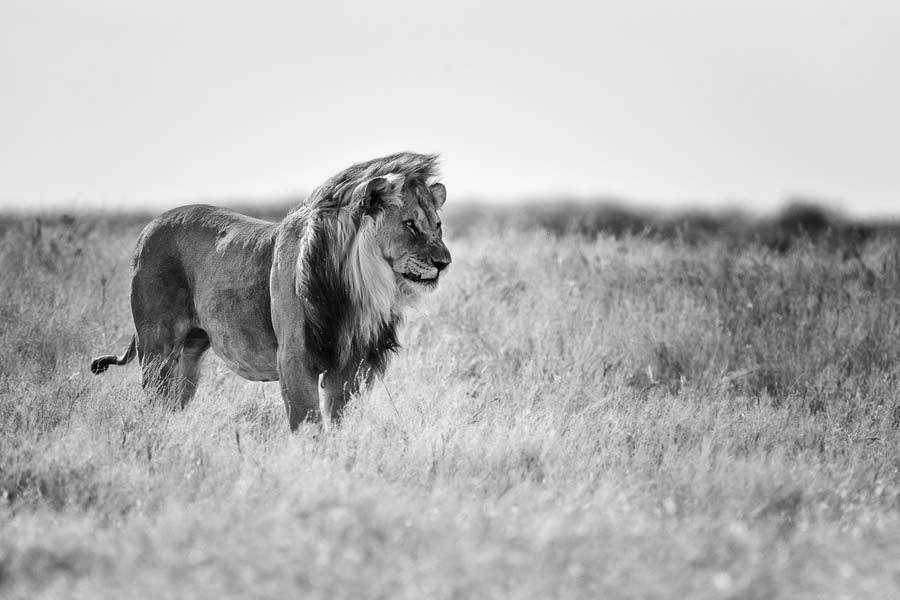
column 440, row 264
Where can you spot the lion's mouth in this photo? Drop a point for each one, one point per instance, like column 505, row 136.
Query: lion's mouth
column 420, row 279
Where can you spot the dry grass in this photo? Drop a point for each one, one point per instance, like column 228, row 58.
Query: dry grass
column 568, row 418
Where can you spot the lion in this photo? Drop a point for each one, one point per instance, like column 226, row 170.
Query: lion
column 313, row 301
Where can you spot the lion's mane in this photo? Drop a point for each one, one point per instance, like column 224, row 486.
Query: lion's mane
column 351, row 303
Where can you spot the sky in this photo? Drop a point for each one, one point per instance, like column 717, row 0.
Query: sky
column 117, row 105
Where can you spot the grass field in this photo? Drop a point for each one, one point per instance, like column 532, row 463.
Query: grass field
column 570, row 416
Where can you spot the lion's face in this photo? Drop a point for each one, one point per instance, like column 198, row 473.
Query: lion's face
column 411, row 241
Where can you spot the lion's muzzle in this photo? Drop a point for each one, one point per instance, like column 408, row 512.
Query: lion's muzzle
column 419, row 270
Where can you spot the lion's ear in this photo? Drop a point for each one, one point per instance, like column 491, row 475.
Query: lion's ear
column 378, row 192
column 439, row 193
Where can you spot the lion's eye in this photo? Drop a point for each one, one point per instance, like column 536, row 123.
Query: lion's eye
column 411, row 225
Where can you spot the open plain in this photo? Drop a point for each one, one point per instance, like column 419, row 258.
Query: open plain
column 570, row 415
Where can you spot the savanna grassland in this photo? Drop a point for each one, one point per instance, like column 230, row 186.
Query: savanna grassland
column 571, row 415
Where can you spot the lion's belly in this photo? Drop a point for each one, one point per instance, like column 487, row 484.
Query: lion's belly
column 247, row 360
column 237, row 319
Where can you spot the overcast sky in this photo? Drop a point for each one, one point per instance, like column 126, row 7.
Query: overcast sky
column 122, row 104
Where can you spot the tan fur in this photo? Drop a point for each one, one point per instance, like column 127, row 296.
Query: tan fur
column 312, row 301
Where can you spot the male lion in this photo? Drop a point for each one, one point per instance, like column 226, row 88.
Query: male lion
column 313, row 301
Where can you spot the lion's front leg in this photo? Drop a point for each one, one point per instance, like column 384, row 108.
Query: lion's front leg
column 335, row 390
column 336, row 387
column 299, row 389
column 297, row 376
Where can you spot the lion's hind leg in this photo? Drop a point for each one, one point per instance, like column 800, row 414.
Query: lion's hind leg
column 194, row 347
column 170, row 367
column 159, row 347
column 158, row 368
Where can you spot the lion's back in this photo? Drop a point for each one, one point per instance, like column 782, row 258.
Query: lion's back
column 195, row 230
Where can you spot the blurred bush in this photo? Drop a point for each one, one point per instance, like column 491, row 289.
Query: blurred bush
column 802, row 220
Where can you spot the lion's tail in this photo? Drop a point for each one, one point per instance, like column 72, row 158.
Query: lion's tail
column 101, row 363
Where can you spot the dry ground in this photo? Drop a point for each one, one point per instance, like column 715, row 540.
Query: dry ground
column 568, row 418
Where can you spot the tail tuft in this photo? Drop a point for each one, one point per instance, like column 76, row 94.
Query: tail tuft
column 101, row 364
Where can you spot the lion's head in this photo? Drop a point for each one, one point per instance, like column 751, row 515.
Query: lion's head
column 387, row 213
column 409, row 235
